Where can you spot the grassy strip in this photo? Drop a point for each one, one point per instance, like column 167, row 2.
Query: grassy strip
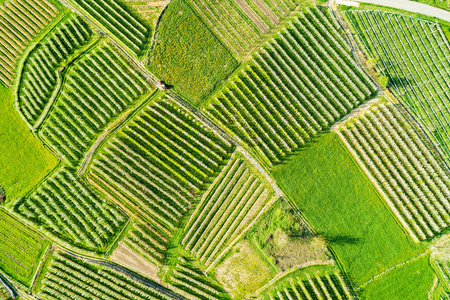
column 324, row 180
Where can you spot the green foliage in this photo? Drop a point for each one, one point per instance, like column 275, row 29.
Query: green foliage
column 23, row 159
column 408, row 282
column 384, row 81
column 21, row 249
column 342, row 205
column 187, row 55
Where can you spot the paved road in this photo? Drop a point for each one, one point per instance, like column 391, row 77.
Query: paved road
column 413, row 7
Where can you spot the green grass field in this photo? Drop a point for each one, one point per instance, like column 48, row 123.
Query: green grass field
column 187, row 56
column 408, row 282
column 24, row 161
column 342, row 205
column 21, row 249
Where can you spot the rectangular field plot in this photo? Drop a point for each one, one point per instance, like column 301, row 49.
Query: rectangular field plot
column 415, row 55
column 343, row 206
column 96, row 90
column 21, row 249
column 66, row 208
column 160, row 163
column 298, row 85
column 114, row 17
column 235, row 199
column 405, row 171
column 41, row 73
column 69, row 278
column 20, row 22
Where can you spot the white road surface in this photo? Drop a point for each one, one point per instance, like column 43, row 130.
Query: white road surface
column 413, row 7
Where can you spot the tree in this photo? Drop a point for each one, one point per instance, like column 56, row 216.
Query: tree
column 384, row 81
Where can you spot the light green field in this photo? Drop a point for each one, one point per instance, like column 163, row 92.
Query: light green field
column 187, row 56
column 342, row 205
column 409, row 282
column 21, row 249
column 24, row 161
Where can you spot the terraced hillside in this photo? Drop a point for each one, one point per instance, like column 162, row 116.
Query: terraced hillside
column 65, row 207
column 97, row 89
column 71, row 278
column 314, row 284
column 159, row 163
column 20, row 22
column 414, row 54
column 230, row 205
column 405, row 171
column 42, row 71
column 192, row 283
column 113, row 17
column 240, row 23
column 298, row 85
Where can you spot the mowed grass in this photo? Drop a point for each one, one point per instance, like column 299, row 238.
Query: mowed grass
column 409, row 282
column 24, row 161
column 343, row 206
column 21, row 249
column 187, row 56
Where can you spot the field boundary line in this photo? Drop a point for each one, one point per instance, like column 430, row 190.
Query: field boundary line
column 392, row 268
column 40, row 266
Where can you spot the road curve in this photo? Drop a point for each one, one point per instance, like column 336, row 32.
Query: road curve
column 412, row 6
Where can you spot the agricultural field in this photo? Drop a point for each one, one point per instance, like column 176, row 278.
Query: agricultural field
column 115, row 18
column 222, row 149
column 415, row 59
column 21, row 22
column 295, row 87
column 67, row 208
column 312, row 283
column 21, row 249
column 197, row 62
column 42, row 72
column 240, row 24
column 406, row 173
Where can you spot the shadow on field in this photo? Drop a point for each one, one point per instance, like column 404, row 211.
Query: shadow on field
column 342, row 239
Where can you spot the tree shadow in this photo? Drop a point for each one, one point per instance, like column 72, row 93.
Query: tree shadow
column 342, row 239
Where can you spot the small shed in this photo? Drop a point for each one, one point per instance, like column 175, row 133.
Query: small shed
column 2, row 196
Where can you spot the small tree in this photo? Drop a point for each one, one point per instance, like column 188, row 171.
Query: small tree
column 384, row 81
column 371, row 63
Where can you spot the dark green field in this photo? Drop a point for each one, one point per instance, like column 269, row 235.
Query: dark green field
column 342, row 205
column 187, row 56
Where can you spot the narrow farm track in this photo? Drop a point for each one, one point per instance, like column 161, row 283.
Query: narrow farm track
column 392, row 268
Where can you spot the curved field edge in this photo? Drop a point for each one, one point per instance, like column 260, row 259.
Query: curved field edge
column 324, row 180
column 187, row 56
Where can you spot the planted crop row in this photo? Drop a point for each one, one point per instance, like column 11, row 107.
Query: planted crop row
column 192, row 283
column 72, row 278
column 119, row 22
column 67, row 208
column 392, row 153
column 43, row 64
column 298, row 85
column 160, row 161
column 414, row 54
column 322, row 284
column 20, row 22
column 149, row 243
column 4, row 293
column 224, row 211
column 240, row 23
column 97, row 89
